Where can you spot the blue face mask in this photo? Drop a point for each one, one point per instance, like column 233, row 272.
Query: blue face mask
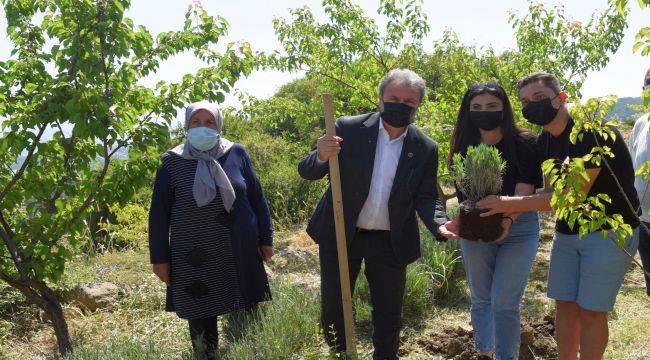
column 203, row 138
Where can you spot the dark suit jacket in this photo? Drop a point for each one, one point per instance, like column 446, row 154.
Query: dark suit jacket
column 414, row 188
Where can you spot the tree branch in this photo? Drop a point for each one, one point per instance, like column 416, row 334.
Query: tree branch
column 5, row 225
column 365, row 97
column 8, row 167
column 13, row 251
column 20, row 171
column 67, row 158
column 24, row 288
column 58, row 124
column 89, row 199
column 629, row 204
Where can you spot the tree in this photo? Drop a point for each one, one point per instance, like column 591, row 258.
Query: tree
column 348, row 55
column 85, row 89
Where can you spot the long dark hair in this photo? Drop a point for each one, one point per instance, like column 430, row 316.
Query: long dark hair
column 466, row 134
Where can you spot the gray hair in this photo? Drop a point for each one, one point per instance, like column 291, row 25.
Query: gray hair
column 403, row 77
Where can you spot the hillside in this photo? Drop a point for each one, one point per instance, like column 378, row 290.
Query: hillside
column 622, row 110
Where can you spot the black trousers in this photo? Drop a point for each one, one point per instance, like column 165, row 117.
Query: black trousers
column 644, row 252
column 386, row 279
column 205, row 339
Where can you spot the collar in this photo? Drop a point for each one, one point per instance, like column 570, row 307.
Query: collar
column 563, row 135
column 567, row 129
column 399, row 138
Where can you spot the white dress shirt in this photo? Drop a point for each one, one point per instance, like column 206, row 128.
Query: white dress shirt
column 374, row 214
column 640, row 151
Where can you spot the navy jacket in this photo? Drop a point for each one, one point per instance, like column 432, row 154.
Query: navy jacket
column 250, row 219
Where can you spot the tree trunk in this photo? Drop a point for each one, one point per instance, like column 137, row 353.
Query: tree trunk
column 40, row 294
column 60, row 325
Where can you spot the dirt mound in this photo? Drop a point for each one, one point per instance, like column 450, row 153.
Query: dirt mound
column 458, row 343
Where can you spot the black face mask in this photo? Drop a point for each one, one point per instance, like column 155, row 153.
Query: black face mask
column 397, row 114
column 540, row 112
column 486, row 120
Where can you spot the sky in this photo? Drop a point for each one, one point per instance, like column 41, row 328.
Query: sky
column 251, row 20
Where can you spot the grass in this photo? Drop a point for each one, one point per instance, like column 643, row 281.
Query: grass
column 287, row 327
column 137, row 328
column 123, row 350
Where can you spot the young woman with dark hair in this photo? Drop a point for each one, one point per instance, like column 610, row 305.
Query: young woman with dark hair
column 497, row 271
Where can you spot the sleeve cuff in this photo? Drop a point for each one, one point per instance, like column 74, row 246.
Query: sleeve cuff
column 160, row 260
column 266, row 242
column 438, row 237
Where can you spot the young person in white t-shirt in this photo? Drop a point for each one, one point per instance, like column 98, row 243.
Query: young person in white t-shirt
column 640, row 151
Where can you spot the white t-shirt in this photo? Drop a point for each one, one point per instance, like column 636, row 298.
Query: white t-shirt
column 640, row 151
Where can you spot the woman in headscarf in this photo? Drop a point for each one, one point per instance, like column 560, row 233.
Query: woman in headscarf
column 209, row 228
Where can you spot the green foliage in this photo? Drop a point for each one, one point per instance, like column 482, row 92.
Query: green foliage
column 349, row 53
column 479, row 173
column 441, row 259
column 86, row 89
column 129, row 229
column 119, row 351
column 643, row 36
column 302, row 89
column 291, row 119
column 548, row 40
column 291, row 198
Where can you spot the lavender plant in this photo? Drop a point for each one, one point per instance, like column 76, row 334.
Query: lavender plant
column 479, row 173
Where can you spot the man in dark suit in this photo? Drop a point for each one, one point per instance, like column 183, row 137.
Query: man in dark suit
column 388, row 172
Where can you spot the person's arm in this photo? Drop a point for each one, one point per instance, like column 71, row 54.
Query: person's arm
column 260, row 207
column 542, row 201
column 536, row 202
column 159, row 220
column 315, row 165
column 428, row 204
column 521, row 189
column 312, row 168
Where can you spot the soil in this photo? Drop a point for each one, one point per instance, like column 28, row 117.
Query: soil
column 474, row 227
column 458, row 344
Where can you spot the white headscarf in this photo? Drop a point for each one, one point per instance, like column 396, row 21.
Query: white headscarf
column 209, row 174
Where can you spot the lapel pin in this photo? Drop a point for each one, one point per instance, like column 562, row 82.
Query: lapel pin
column 410, row 155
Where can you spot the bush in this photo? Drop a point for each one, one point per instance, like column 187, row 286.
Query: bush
column 129, row 230
column 441, row 259
column 291, row 198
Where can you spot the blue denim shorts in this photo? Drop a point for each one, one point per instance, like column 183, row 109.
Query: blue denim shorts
column 588, row 271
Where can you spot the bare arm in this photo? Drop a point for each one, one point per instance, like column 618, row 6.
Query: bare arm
column 522, row 203
column 521, row 189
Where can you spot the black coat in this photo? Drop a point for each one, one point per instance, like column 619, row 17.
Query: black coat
column 414, row 187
